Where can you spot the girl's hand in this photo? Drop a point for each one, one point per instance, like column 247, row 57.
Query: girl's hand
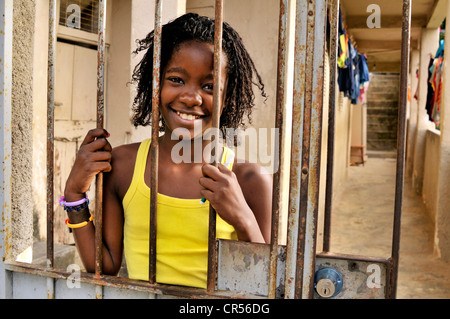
column 224, row 193
column 94, row 156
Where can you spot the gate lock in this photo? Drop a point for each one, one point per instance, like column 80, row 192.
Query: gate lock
column 328, row 282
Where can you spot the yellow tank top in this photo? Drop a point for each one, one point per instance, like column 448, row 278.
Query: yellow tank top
column 182, row 231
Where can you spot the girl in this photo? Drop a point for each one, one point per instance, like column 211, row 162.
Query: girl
column 240, row 193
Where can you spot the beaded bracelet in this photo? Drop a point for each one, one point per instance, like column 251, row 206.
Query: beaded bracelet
column 78, row 205
column 82, row 224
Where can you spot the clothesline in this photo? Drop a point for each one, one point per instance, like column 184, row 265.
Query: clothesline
column 353, row 72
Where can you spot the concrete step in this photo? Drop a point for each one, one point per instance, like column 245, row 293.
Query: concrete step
column 390, row 104
column 386, row 135
column 374, row 119
column 381, row 145
column 377, row 127
column 64, row 255
column 385, row 110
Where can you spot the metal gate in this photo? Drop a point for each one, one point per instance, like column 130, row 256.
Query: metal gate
column 235, row 269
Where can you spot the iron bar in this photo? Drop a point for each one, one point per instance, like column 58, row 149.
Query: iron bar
column 50, row 130
column 401, row 144
column 279, row 123
column 98, row 216
column 296, row 149
column 218, row 33
column 154, row 147
column 334, row 19
column 312, row 149
column 125, row 283
column 50, row 142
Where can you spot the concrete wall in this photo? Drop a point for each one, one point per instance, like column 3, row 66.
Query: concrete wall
column 442, row 234
column 428, row 155
column 431, row 172
column 412, row 111
column 22, row 115
column 428, row 46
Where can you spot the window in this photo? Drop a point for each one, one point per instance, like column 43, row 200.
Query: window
column 79, row 14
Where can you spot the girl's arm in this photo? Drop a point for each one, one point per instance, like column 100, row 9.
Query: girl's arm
column 93, row 157
column 242, row 197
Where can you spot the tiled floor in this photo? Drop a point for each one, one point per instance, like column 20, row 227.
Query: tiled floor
column 362, row 224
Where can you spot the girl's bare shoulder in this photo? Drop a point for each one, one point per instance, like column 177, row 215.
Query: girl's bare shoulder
column 252, row 176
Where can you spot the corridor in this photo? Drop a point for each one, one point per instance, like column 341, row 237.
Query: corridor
column 362, row 224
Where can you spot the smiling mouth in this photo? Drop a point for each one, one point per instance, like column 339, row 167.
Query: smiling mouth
column 186, row 116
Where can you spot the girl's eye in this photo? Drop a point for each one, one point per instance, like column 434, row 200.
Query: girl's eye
column 175, row 80
column 209, row 87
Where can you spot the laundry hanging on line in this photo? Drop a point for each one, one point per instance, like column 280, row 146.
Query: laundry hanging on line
column 353, row 72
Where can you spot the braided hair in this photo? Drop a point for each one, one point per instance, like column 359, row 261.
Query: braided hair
column 240, row 69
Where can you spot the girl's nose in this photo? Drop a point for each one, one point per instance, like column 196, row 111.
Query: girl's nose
column 191, row 98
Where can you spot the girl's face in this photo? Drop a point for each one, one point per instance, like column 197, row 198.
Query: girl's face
column 187, row 89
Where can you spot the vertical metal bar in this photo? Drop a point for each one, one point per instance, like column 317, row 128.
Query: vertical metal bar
column 50, row 129
column 296, row 147
column 6, row 27
column 334, row 18
column 303, row 208
column 401, row 144
column 312, row 150
column 50, row 141
column 279, row 122
column 98, row 217
column 154, row 147
column 218, row 31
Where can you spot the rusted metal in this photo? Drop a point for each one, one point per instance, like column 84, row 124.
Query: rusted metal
column 218, row 35
column 296, row 147
column 154, row 147
column 125, row 283
column 334, row 13
column 401, row 145
column 50, row 141
column 244, row 267
column 279, row 123
column 50, row 129
column 311, row 144
column 312, row 150
column 98, row 216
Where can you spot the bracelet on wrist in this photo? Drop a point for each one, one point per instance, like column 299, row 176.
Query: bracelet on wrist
column 79, row 225
column 77, row 205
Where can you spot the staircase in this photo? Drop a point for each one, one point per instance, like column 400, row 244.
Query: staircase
column 382, row 112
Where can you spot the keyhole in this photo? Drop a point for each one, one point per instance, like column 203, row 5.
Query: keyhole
column 325, row 291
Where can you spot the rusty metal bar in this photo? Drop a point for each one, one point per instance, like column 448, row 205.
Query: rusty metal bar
column 296, row 147
column 279, row 123
column 154, row 147
column 334, row 18
column 50, row 142
column 98, row 218
column 125, row 283
column 50, row 129
column 312, row 132
column 401, row 144
column 218, row 32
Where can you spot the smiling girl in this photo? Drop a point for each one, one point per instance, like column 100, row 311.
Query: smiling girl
column 239, row 192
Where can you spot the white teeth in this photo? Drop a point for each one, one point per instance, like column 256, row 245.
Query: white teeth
column 185, row 116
